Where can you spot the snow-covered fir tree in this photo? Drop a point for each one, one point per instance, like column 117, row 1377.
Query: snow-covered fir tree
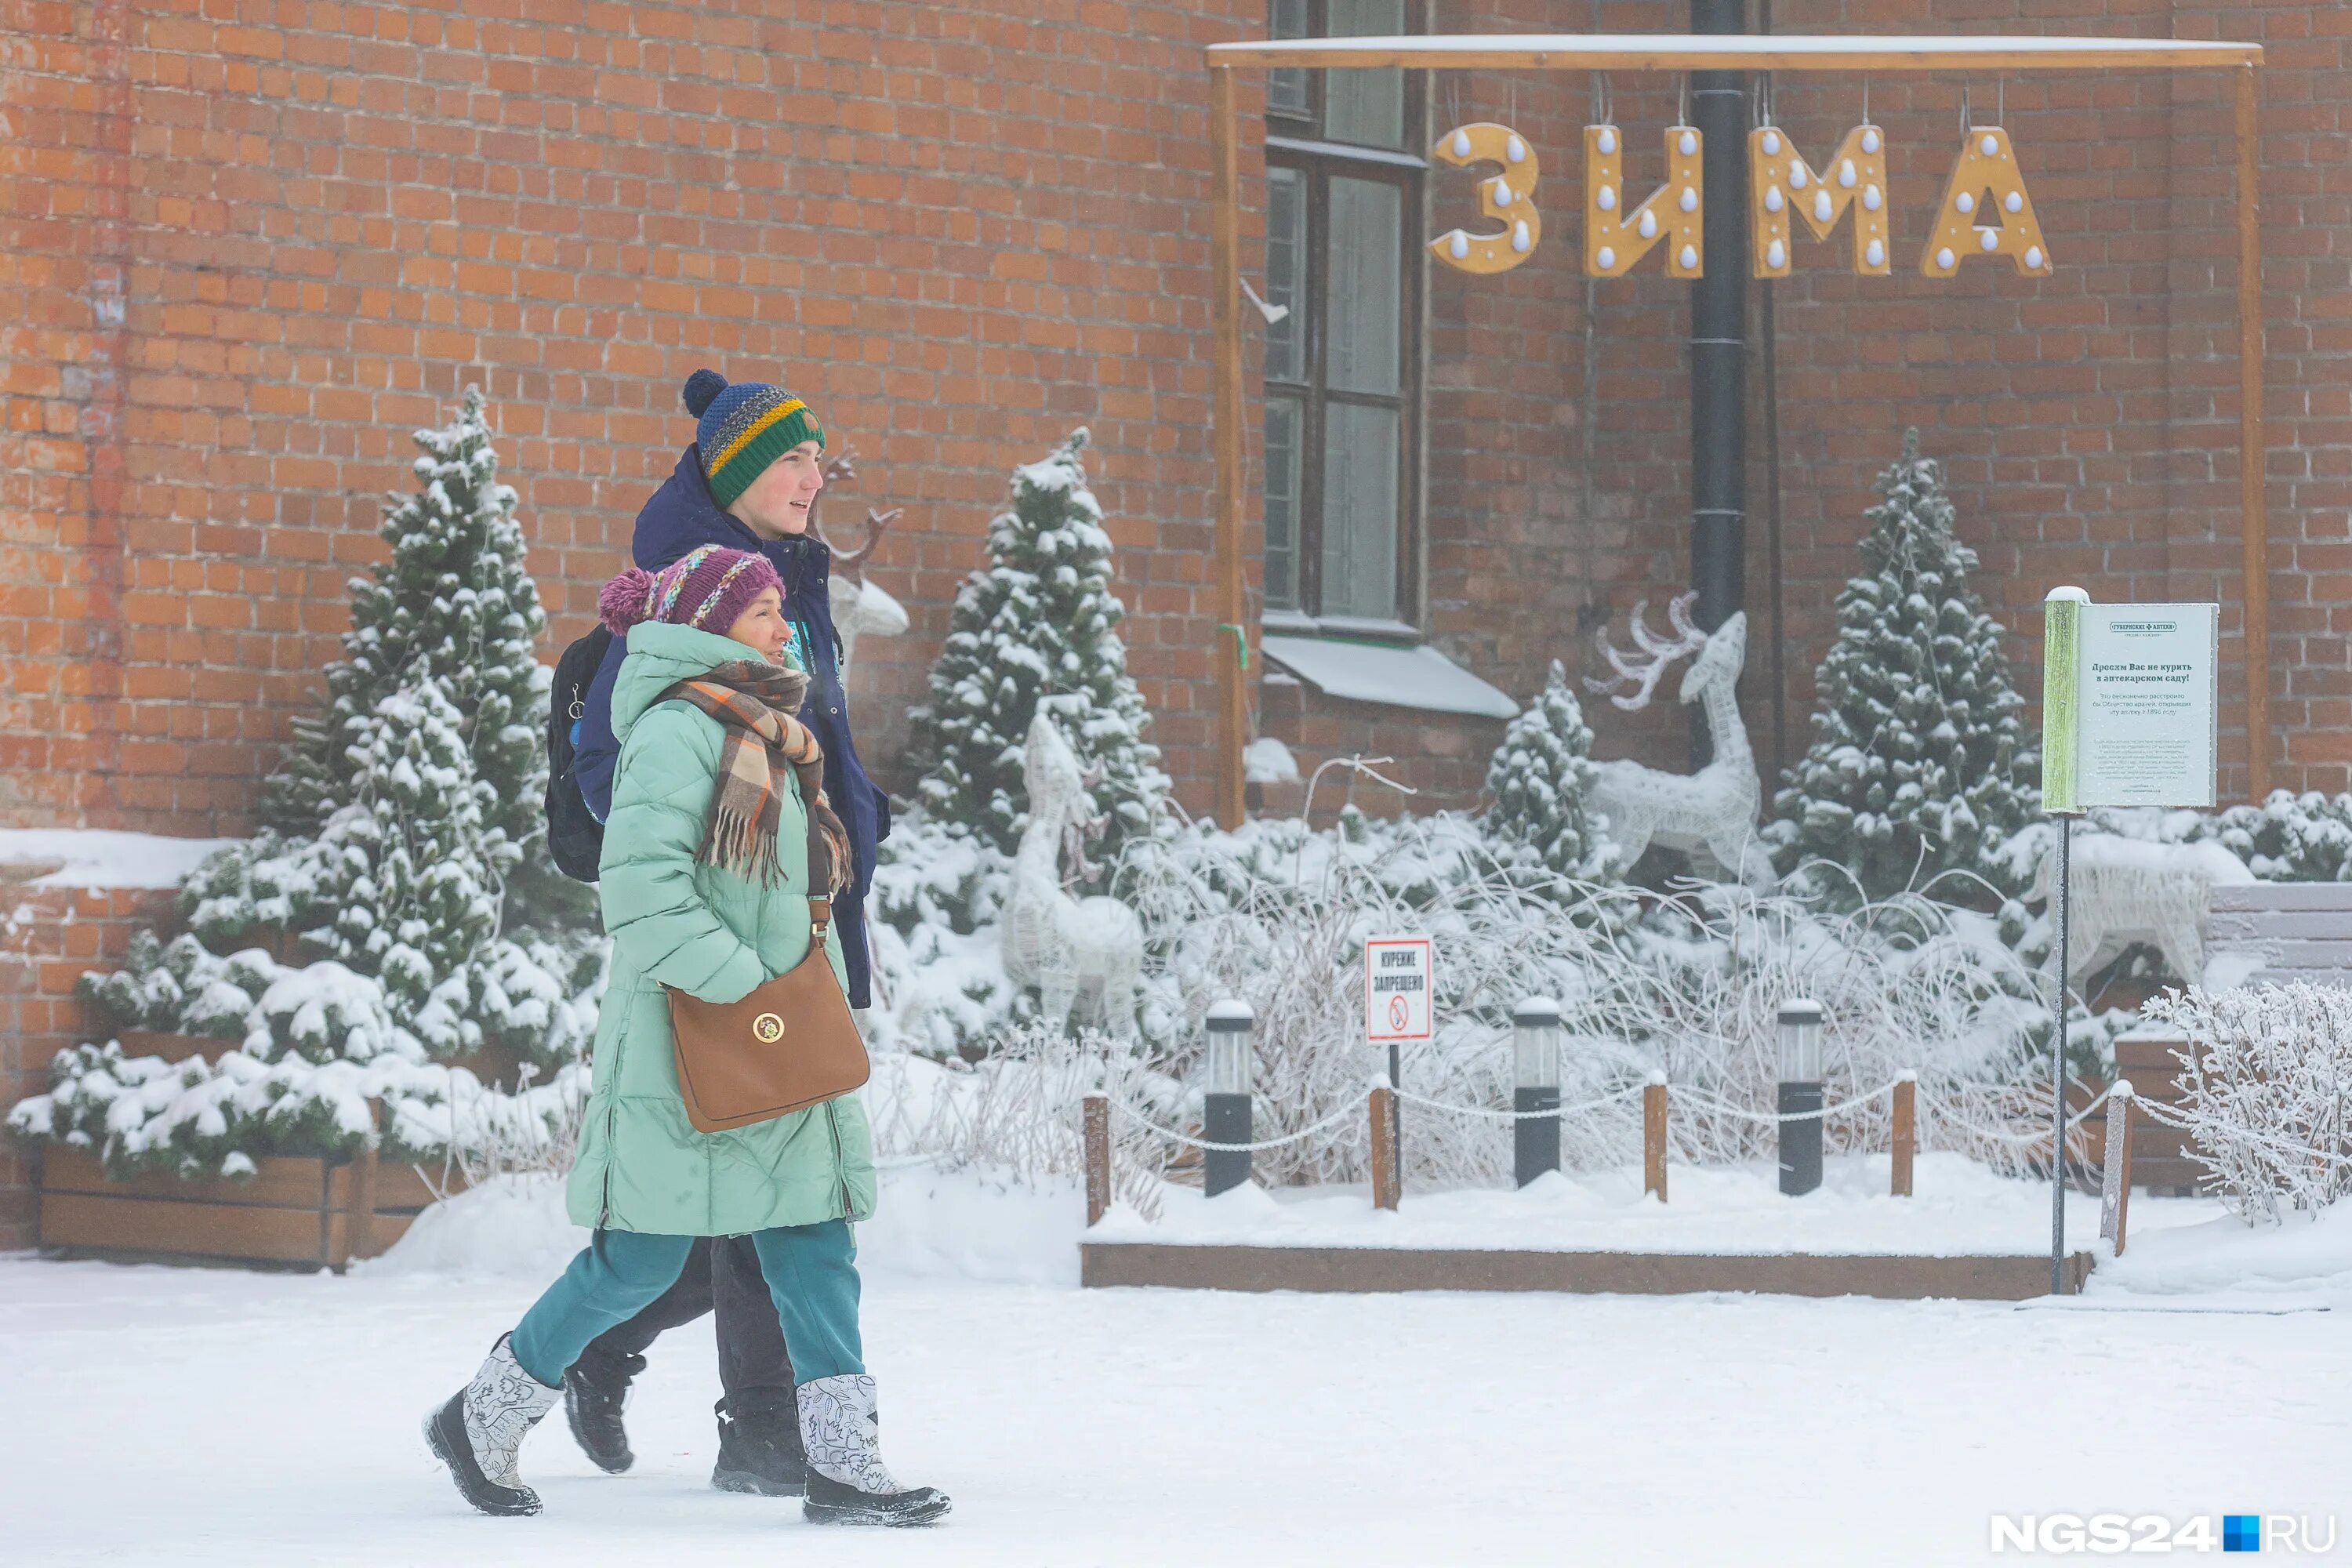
column 455, row 609
column 409, row 816
column 1040, row 621
column 1540, row 776
column 1920, row 764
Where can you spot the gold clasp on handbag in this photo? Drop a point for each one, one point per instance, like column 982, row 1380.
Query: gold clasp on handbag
column 769, row 1027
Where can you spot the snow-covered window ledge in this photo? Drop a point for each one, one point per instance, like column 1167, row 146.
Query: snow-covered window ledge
column 1360, row 669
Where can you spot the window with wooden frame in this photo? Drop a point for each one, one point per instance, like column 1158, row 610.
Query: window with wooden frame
column 1344, row 178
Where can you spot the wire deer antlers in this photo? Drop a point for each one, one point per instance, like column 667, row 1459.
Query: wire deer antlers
column 1643, row 674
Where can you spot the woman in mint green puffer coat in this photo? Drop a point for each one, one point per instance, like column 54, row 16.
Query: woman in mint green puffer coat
column 676, row 921
column 705, row 882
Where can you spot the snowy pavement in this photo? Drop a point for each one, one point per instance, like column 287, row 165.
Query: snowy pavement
column 171, row 1415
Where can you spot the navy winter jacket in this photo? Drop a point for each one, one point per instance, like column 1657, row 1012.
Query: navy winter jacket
column 680, row 516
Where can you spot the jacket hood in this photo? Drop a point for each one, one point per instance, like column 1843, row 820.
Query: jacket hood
column 682, row 514
column 660, row 656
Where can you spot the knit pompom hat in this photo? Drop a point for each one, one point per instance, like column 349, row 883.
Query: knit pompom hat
column 707, row 588
column 741, row 430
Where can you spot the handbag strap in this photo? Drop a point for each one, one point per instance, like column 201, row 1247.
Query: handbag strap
column 820, row 919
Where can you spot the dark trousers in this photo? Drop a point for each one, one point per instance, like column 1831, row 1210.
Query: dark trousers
column 722, row 1275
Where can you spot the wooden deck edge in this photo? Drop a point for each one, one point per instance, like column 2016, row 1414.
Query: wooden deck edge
column 1322, row 1269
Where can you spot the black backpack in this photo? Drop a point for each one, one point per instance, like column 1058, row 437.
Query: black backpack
column 574, row 837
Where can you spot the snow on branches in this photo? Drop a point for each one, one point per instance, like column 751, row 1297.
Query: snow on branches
column 2267, row 1091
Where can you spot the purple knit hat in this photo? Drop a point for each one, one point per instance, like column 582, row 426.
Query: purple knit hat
column 707, row 588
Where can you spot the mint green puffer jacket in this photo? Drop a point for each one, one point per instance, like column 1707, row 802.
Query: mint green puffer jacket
column 678, row 922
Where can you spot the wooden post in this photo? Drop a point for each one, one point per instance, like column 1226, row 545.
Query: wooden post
column 1385, row 1184
column 1097, row 1139
column 359, row 1226
column 1653, row 1137
column 1906, row 1133
column 2252, row 524
column 1229, row 639
column 2114, row 1184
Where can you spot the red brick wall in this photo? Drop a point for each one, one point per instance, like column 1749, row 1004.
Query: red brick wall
column 249, row 245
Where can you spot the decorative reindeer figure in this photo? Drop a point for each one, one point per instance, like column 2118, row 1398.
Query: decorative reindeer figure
column 859, row 605
column 1710, row 813
column 1059, row 943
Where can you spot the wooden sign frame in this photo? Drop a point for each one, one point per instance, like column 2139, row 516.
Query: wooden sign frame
column 1671, row 52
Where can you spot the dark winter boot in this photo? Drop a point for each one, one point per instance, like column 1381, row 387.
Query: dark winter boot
column 759, row 1446
column 847, row 1482
column 479, row 1431
column 595, row 1392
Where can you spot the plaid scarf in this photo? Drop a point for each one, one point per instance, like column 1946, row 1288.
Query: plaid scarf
column 756, row 701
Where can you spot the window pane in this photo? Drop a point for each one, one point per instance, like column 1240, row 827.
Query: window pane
column 1283, row 458
column 1365, row 107
column 1359, row 510
column 1286, row 257
column 1286, row 89
column 1365, row 285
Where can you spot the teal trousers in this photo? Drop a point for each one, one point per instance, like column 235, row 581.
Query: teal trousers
column 810, row 1269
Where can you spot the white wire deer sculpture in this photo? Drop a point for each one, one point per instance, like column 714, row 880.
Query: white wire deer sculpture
column 1064, row 945
column 1711, row 814
column 859, row 606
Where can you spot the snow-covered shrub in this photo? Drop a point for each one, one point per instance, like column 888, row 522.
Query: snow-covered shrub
column 2288, row 837
column 1018, row 1113
column 2267, row 1100
column 1039, row 621
column 1921, row 762
column 1540, row 778
column 1689, row 984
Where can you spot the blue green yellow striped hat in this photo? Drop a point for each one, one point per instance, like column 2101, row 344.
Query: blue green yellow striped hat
column 743, row 429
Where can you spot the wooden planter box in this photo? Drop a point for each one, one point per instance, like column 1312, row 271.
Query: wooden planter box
column 293, row 1211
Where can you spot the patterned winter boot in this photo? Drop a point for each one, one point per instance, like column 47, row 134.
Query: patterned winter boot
column 847, row 1482
column 478, row 1432
column 595, row 1392
column 759, row 1445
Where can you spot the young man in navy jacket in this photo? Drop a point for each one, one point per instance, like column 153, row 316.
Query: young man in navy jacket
column 749, row 482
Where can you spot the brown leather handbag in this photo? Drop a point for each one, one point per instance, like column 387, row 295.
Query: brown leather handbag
column 789, row 1044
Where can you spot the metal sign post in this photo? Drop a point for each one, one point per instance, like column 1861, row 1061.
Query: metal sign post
column 1400, row 982
column 2129, row 716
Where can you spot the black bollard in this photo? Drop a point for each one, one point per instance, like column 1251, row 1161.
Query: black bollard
column 1800, row 1091
column 1225, row 1108
column 1535, row 1077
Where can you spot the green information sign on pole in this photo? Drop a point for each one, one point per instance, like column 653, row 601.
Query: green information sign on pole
column 2130, row 713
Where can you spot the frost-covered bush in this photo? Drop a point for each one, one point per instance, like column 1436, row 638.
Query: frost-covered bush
column 2288, row 837
column 1018, row 1112
column 1689, row 984
column 2267, row 1100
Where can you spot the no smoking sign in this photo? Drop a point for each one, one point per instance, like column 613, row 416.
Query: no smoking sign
column 1398, row 978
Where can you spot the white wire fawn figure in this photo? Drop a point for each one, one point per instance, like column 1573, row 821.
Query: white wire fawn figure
column 1710, row 813
column 1062, row 944
column 2127, row 890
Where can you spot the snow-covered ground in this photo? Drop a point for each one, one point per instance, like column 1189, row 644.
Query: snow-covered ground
column 155, row 1415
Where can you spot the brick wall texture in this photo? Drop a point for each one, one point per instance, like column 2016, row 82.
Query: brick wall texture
column 246, row 245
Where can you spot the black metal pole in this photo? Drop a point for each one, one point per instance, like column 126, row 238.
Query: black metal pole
column 1720, row 343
